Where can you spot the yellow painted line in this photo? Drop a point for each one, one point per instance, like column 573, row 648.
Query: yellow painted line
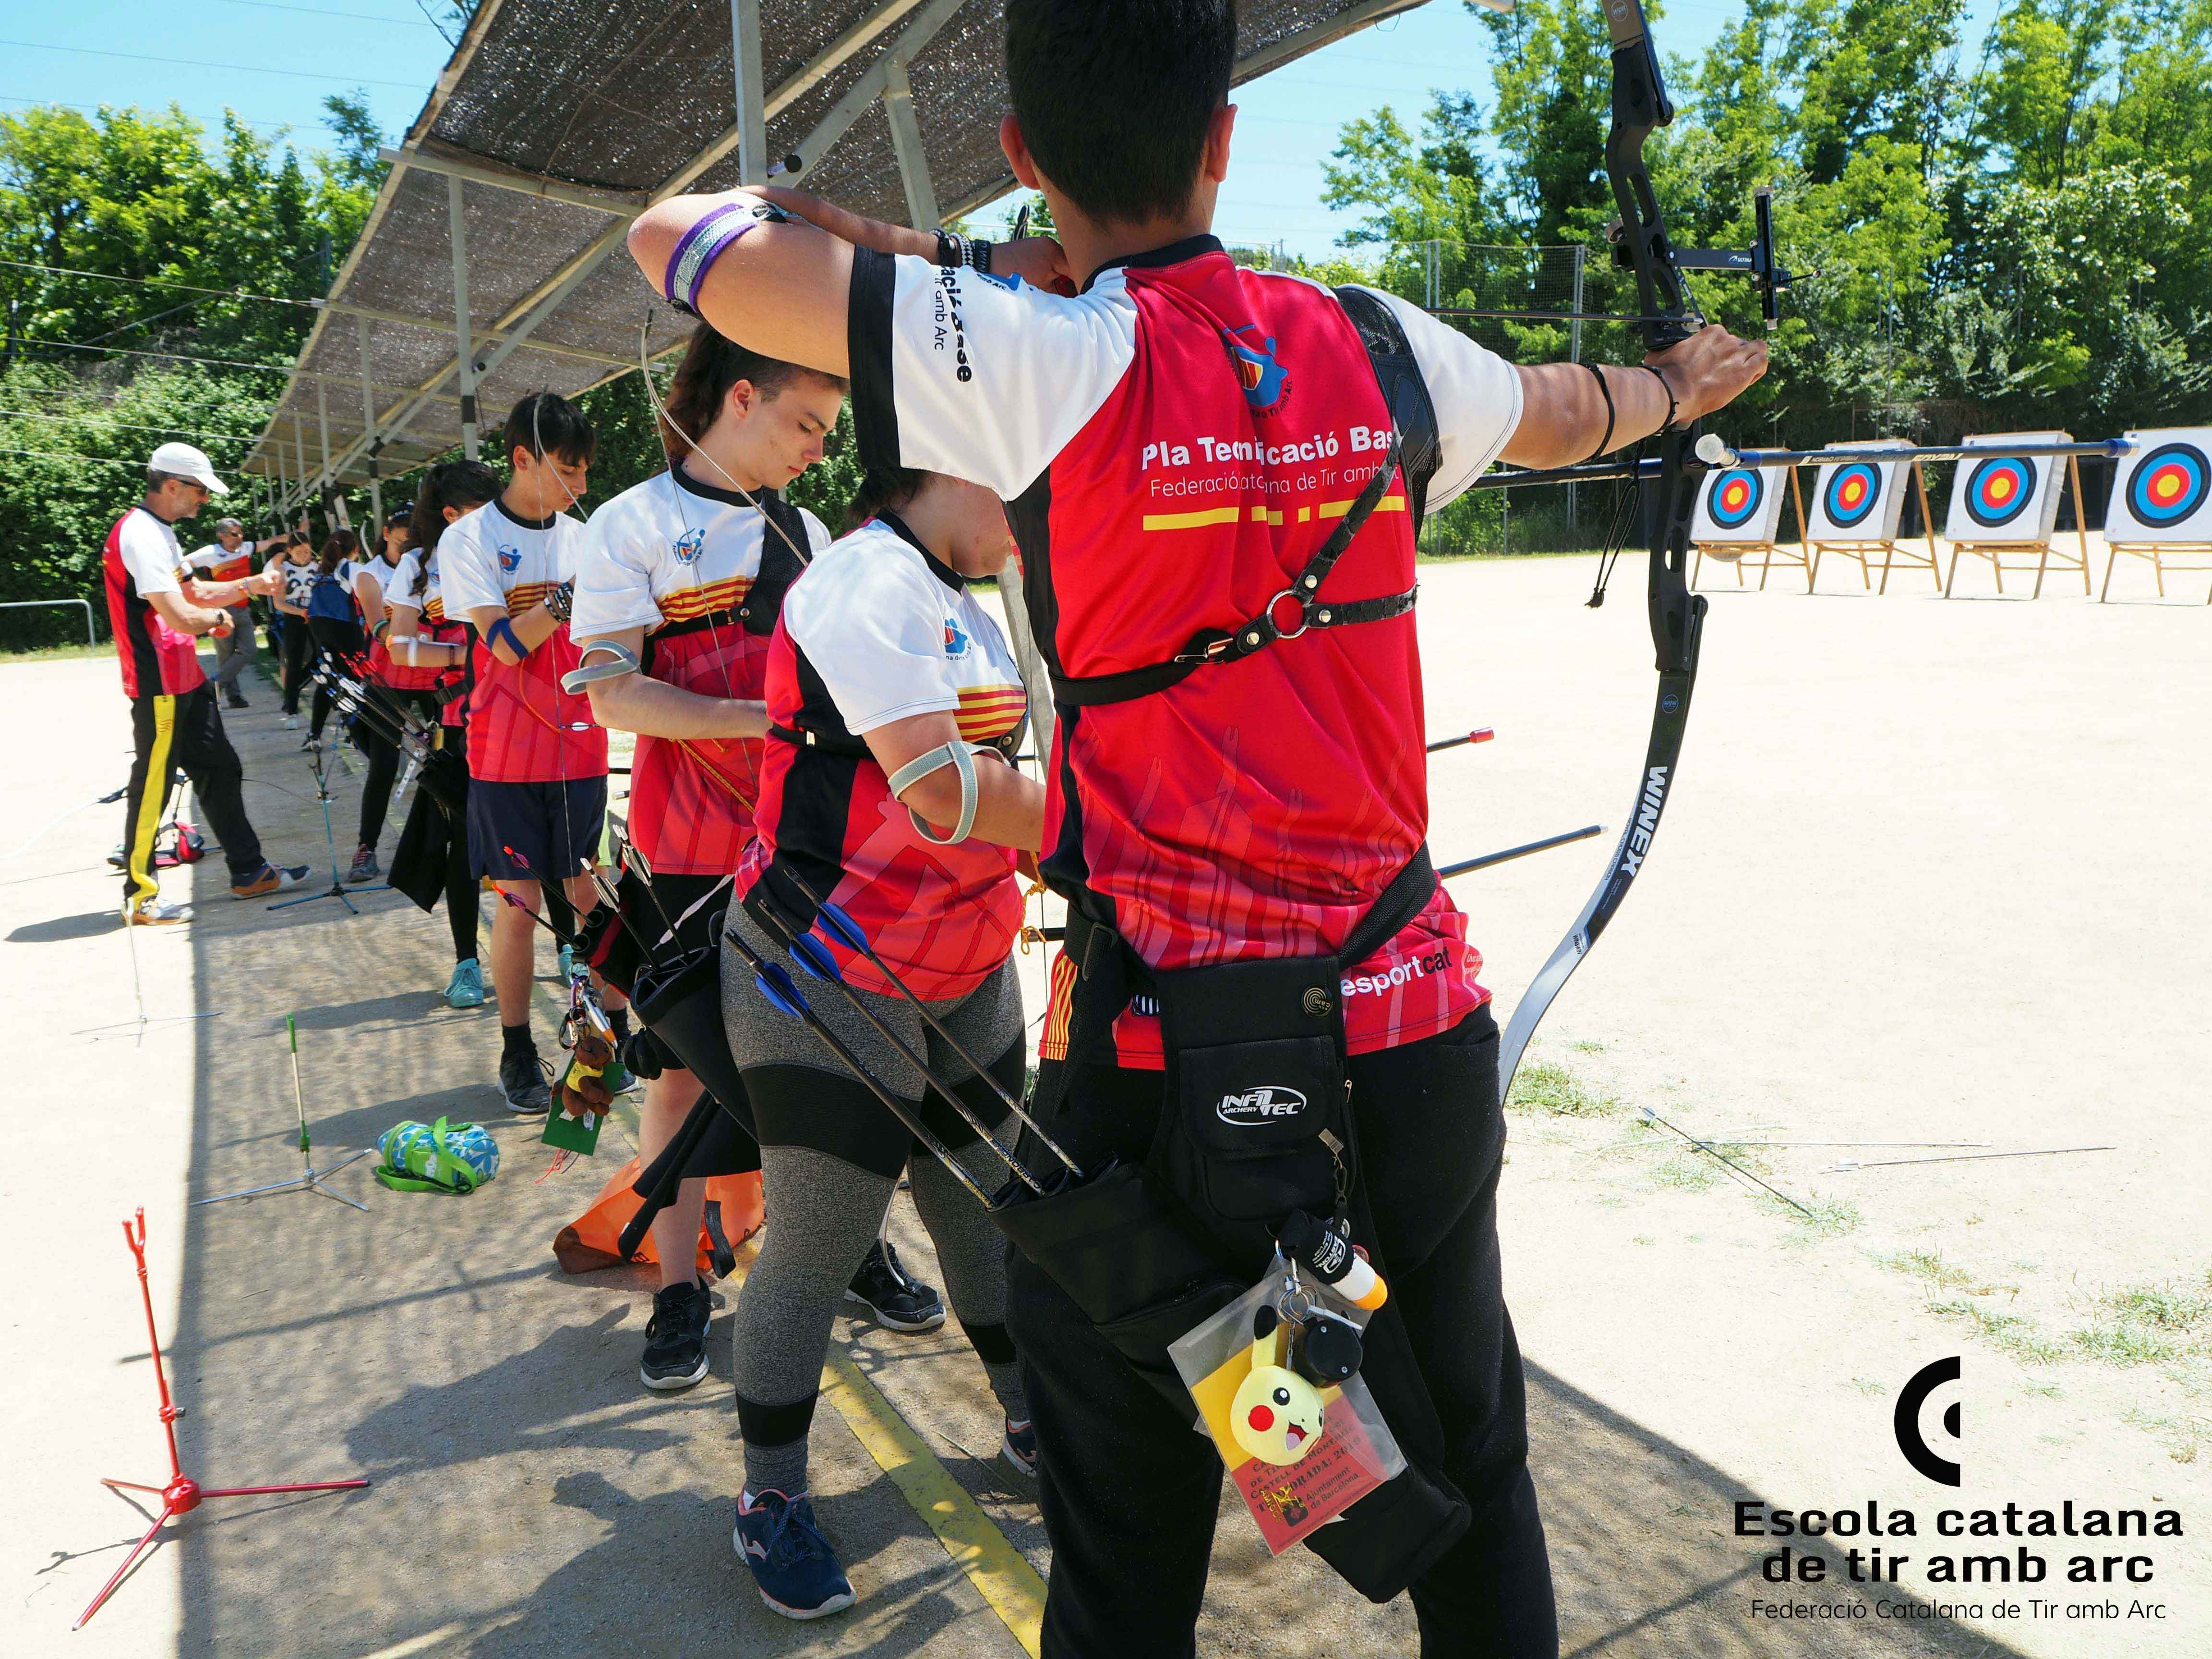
column 1193, row 520
column 1001, row 1573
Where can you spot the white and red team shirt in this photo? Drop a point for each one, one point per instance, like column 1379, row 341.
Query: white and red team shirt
column 142, row 558
column 381, row 669
column 430, row 603
column 217, row 563
column 878, row 630
column 1174, row 445
column 665, row 556
column 523, row 727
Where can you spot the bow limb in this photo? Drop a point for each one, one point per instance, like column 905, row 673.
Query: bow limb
column 1639, row 108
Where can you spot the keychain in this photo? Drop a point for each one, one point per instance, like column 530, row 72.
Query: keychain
column 1276, row 1415
column 582, row 1095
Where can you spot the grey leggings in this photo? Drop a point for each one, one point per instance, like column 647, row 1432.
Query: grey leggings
column 830, row 1158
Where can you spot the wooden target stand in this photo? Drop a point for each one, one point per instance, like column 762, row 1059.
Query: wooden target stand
column 2157, row 553
column 1737, row 553
column 1894, row 554
column 1994, row 552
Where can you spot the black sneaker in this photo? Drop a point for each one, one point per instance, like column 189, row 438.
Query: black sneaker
column 234, row 701
column 896, row 1300
column 522, row 1081
column 364, row 865
column 676, row 1338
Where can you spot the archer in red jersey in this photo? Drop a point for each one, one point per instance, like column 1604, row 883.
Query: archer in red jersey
column 1238, row 776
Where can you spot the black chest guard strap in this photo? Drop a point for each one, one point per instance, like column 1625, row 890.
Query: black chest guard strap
column 1404, row 391
column 780, row 565
column 1414, row 452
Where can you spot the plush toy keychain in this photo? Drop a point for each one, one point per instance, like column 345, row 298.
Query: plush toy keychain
column 1276, row 1416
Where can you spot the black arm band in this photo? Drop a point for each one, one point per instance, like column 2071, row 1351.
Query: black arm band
column 1673, row 408
column 1606, row 392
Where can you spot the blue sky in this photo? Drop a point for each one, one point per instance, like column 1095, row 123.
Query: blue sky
column 274, row 60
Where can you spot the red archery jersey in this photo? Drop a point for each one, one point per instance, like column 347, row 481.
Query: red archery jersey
column 523, row 727
column 142, row 558
column 1175, row 443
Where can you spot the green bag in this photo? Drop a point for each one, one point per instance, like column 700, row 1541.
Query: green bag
column 436, row 1158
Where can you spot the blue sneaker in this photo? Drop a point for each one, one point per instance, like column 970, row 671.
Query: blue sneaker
column 465, row 988
column 793, row 1565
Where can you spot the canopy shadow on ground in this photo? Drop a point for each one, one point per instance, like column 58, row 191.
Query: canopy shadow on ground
column 529, row 1499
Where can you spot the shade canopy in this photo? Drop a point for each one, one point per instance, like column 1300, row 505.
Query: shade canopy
column 556, row 122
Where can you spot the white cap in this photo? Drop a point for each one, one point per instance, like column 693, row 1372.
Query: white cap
column 185, row 462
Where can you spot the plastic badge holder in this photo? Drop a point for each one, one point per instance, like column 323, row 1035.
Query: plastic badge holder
column 1354, row 1453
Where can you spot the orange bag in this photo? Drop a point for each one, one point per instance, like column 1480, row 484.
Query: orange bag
column 734, row 1215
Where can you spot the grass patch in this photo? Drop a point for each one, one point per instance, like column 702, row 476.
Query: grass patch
column 1687, row 1171
column 2179, row 1438
column 1927, row 1265
column 1831, row 1218
column 1551, row 1090
column 1587, row 1046
column 2019, row 1337
column 2149, row 1324
column 1870, row 1387
column 56, row 653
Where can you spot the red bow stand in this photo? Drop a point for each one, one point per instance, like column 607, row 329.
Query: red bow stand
column 183, row 1494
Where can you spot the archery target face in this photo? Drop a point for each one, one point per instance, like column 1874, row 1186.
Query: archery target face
column 2163, row 491
column 1999, row 490
column 1739, row 504
column 1858, row 501
column 1996, row 497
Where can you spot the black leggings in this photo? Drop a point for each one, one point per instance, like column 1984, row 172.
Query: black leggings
column 383, row 752
column 461, row 885
column 335, row 640
column 297, row 644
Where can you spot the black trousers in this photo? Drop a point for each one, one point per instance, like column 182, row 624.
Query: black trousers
column 337, row 640
column 299, row 644
column 1129, row 1491
column 183, row 730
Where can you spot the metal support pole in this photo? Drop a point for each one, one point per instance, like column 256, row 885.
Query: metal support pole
column 368, row 426
column 464, row 350
column 905, row 144
column 752, row 96
column 299, row 449
column 326, row 481
column 1575, row 356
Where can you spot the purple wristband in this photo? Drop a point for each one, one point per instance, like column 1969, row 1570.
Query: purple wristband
column 700, row 247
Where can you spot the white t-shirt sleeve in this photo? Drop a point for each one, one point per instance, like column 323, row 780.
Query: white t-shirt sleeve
column 1476, row 394
column 470, row 570
column 400, row 593
column 818, row 533
column 614, row 574
column 876, row 634
column 149, row 556
column 986, row 378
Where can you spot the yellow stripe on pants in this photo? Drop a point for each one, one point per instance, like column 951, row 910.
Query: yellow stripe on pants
column 153, row 796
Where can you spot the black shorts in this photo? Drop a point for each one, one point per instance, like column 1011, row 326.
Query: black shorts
column 535, row 831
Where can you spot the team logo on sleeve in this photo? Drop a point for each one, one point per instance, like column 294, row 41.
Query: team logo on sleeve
column 956, row 642
column 1263, row 379
column 690, row 545
column 510, row 559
